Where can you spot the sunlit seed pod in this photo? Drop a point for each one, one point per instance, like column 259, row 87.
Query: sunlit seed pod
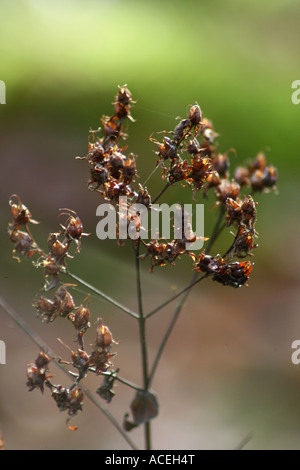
column 195, row 115
column 103, row 336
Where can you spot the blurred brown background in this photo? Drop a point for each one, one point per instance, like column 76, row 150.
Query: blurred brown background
column 227, row 371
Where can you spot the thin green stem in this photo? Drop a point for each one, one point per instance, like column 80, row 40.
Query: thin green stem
column 102, row 295
column 43, row 346
column 182, row 301
column 191, row 284
column 169, row 330
column 161, row 193
column 142, row 337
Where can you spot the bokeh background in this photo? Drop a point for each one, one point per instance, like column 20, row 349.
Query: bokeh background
column 226, row 373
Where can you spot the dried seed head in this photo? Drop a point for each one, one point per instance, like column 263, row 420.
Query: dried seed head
column 229, row 274
column 20, row 213
column 103, row 336
column 76, row 397
column 201, row 168
column 80, row 359
column 227, row 189
column 96, row 153
column 207, row 131
column 99, row 175
column 45, row 309
column 124, row 96
column 181, row 131
column 23, row 243
column 207, row 264
column 50, row 267
column 63, row 301
column 193, row 146
column 42, row 360
column 234, row 211
column 195, row 115
column 221, row 164
column 270, row 176
column 241, row 176
column 178, row 171
column 249, row 211
column 37, row 372
column 57, row 249
column 68, row 400
column 257, row 182
column 259, row 163
column 35, row 377
column 81, row 318
column 74, row 228
column 100, row 360
column 244, row 242
column 167, row 149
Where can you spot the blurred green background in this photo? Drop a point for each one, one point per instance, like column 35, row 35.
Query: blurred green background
column 227, row 369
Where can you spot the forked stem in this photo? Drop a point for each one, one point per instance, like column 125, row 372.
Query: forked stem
column 215, row 233
column 103, row 296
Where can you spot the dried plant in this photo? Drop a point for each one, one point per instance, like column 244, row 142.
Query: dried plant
column 187, row 155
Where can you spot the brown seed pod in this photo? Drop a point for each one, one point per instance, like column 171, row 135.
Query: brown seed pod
column 195, row 115
column 20, row 213
column 63, row 301
column 45, row 309
column 103, row 336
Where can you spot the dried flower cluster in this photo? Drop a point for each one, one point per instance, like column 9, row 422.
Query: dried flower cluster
column 97, row 361
column 181, row 155
column 66, row 399
column 187, row 155
column 53, row 262
column 60, row 305
column 111, row 171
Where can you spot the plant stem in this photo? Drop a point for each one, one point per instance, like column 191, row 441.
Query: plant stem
column 142, row 337
column 215, row 233
column 111, row 418
column 169, row 330
column 103, row 296
column 43, row 346
column 161, row 193
column 123, row 381
column 181, row 302
column 191, row 284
